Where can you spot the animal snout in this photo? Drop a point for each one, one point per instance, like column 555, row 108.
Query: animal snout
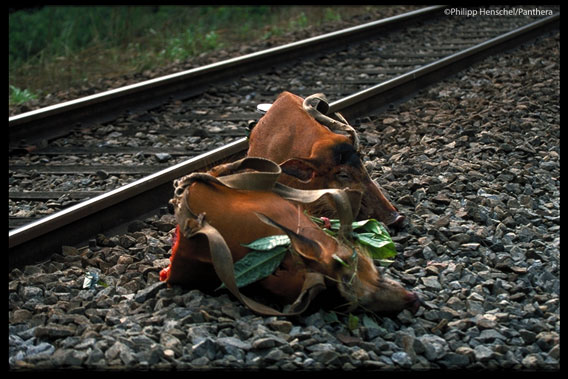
column 398, row 221
column 413, row 302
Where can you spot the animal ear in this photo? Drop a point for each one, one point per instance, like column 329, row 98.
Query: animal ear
column 304, row 246
column 302, row 169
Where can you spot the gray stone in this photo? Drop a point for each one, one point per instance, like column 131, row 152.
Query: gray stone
column 267, row 342
column 431, row 282
column 136, row 226
column 486, row 321
column 360, row 354
column 201, row 362
column 490, row 335
column 483, row 353
column 198, row 333
column 151, row 355
column 163, row 157
column 169, row 341
column 69, row 342
column 141, row 341
column 432, row 346
column 532, row 361
column 275, row 355
column 402, row 359
column 122, row 352
column 30, row 292
column 405, row 339
column 454, row 360
column 68, row 357
column 96, row 358
column 234, row 342
column 466, row 351
column 474, row 307
column 20, row 316
column 547, row 340
column 555, row 352
column 149, row 292
column 206, row 348
column 42, row 349
column 327, row 357
column 456, row 303
column 320, row 347
column 315, row 319
column 126, row 241
column 282, row 326
column 54, row 331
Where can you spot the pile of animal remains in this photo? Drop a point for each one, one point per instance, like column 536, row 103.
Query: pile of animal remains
column 256, row 213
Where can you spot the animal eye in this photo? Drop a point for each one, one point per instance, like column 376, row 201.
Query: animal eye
column 343, row 176
column 348, row 279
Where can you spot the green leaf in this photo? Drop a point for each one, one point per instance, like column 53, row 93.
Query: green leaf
column 329, row 317
column 371, row 225
column 387, row 251
column 383, row 230
column 102, row 283
column 257, row 265
column 352, row 322
column 373, row 240
column 335, row 224
column 379, row 247
column 370, row 234
column 269, row 243
column 381, row 254
column 267, row 253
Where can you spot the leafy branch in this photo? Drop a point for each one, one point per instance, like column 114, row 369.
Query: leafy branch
column 369, row 234
column 268, row 252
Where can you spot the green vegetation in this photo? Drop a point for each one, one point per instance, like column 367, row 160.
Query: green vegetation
column 266, row 253
column 18, row 96
column 61, row 31
column 52, row 48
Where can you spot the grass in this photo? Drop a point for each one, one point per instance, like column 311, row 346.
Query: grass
column 53, row 48
column 18, row 96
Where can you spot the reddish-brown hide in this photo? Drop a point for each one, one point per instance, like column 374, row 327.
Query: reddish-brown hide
column 314, row 157
column 234, row 214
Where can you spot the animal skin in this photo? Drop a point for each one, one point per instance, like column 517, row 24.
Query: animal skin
column 234, row 213
column 313, row 157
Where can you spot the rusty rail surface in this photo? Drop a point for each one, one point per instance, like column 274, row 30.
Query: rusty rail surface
column 76, row 224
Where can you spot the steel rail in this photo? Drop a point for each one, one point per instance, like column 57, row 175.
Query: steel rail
column 376, row 97
column 57, row 119
column 43, row 237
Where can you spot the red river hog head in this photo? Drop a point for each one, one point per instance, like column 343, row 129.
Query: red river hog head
column 307, row 144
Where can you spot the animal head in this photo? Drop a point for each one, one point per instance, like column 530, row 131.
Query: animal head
column 317, row 151
column 349, row 268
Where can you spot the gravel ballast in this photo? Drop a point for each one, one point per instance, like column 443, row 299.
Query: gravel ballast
column 474, row 164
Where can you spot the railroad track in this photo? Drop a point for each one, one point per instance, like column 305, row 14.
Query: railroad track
column 405, row 60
